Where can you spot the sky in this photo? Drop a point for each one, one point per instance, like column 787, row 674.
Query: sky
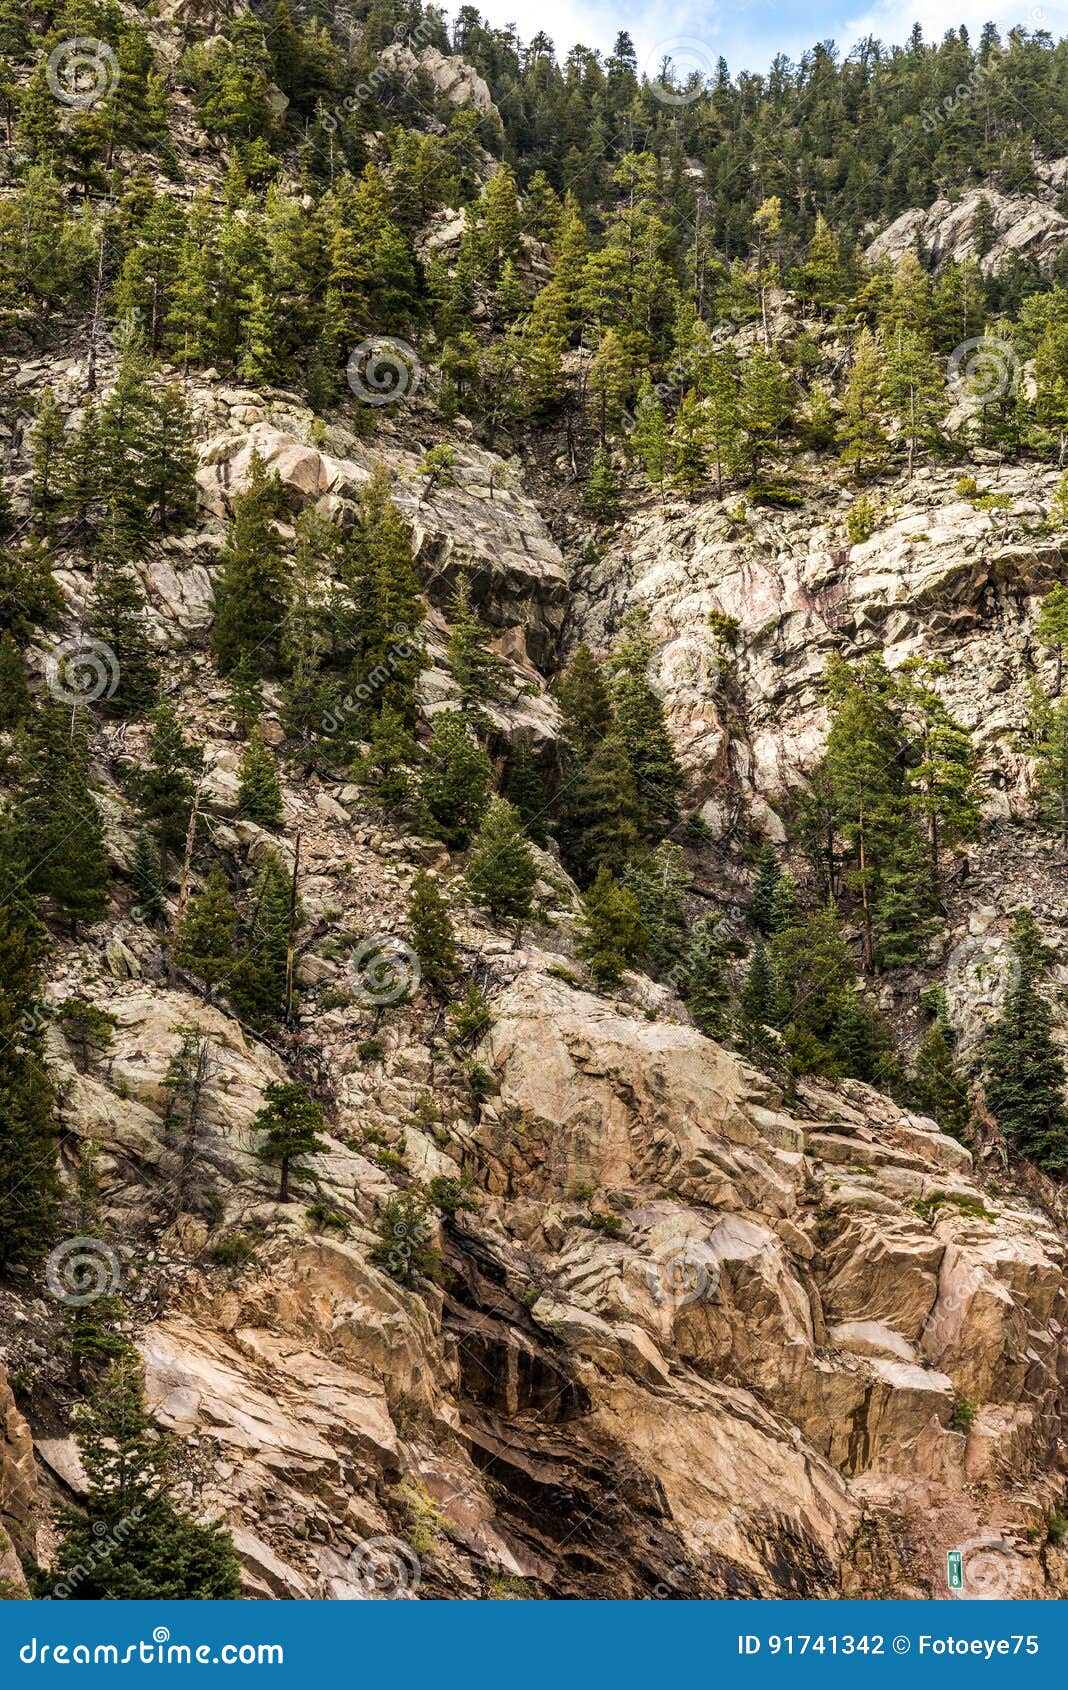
column 748, row 33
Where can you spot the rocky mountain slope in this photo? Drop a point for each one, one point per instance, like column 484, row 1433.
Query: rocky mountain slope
column 690, row 1335
column 691, row 1342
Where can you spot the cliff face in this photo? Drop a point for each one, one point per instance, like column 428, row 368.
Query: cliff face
column 690, row 1341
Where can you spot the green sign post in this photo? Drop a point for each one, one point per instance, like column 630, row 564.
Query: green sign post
column 955, row 1569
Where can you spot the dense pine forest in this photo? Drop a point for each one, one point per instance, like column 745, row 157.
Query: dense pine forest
column 654, row 296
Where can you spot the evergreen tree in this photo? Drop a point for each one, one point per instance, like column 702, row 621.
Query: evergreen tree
column 611, row 934
column 643, row 729
column 1025, row 1086
column 383, row 611
column 610, row 383
column 525, row 788
column 502, row 873
column 585, row 705
column 15, row 705
column 690, row 445
column 757, row 1000
column 764, row 883
column 720, row 425
column 765, row 404
column 1048, row 724
column 863, row 439
column 251, row 593
column 431, row 933
column 30, row 597
column 115, row 614
column 598, row 811
column 914, row 389
column 146, row 878
column 258, row 986
column 165, row 783
column 660, row 883
column 290, row 1121
column 943, row 783
column 259, row 796
column 204, row 942
column 96, row 1321
column 939, row 1086
column 58, row 820
column 245, row 694
column 387, row 764
column 29, row 1183
column 602, row 495
column 455, row 781
column 650, row 436
column 134, row 1541
column 785, row 905
column 477, row 671
column 706, row 984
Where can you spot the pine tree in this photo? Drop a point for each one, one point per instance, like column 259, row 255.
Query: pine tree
column 258, row 985
column 502, row 873
column 477, row 671
column 165, row 783
column 758, row 993
column 455, row 781
column 643, row 729
column 115, row 614
column 383, row 611
column 134, row 1541
column 764, row 884
column 524, row 787
column 585, row 704
column 251, row 593
column 30, row 596
column 95, row 1331
column 47, row 441
column 58, row 819
column 765, row 404
column 1025, row 1086
column 29, row 1183
column 204, row 942
column 431, row 933
column 168, row 460
column 689, row 444
column 188, row 1083
column 914, row 389
column 706, row 984
column 660, row 883
column 939, row 1086
column 598, row 810
column 943, row 784
column 863, row 439
column 259, row 796
column 1048, row 725
column 785, row 904
column 610, row 383
column 245, row 694
column 650, row 437
column 602, row 494
column 258, row 363
column 611, row 935
column 15, row 705
column 291, row 1122
column 719, row 429
column 146, row 878
column 387, row 764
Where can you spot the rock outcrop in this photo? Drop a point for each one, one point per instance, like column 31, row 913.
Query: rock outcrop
column 1019, row 226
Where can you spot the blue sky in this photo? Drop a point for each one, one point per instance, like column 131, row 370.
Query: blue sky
column 749, row 33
